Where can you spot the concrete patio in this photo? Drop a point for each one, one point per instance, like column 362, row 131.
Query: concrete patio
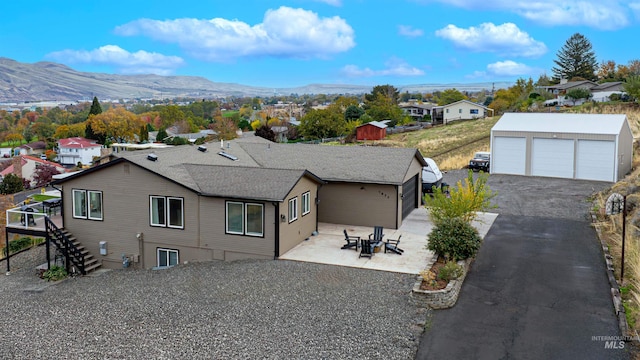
column 325, row 248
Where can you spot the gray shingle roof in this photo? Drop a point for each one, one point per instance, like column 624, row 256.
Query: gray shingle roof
column 245, row 182
column 367, row 164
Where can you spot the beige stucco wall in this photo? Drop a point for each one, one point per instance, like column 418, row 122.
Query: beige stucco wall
column 293, row 233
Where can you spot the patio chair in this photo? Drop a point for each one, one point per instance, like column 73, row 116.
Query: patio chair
column 366, row 248
column 352, row 241
column 377, row 234
column 392, row 245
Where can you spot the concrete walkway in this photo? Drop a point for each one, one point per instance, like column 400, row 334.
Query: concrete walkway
column 325, row 248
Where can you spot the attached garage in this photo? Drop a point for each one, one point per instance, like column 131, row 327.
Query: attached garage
column 575, row 146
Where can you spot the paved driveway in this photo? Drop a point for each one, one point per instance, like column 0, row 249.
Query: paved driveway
column 538, row 288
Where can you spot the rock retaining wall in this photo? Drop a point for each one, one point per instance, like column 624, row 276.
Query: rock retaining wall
column 440, row 299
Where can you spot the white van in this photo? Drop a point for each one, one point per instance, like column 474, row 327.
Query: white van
column 431, row 176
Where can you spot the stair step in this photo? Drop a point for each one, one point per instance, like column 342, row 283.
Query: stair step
column 92, row 267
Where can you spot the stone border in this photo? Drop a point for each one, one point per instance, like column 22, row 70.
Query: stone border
column 615, row 287
column 440, row 299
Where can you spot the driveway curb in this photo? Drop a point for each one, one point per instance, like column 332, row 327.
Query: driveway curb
column 615, row 287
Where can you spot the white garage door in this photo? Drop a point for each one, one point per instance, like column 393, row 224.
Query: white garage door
column 552, row 157
column 596, row 160
column 508, row 155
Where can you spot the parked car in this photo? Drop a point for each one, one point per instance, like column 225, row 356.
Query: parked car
column 431, row 176
column 481, row 161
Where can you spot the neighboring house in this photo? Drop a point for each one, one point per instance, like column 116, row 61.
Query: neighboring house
column 281, row 133
column 417, row 111
column 25, row 166
column 374, row 130
column 73, row 150
column 574, row 146
column 564, row 86
column 5, row 152
column 34, row 148
column 459, row 110
column 604, row 91
column 248, row 199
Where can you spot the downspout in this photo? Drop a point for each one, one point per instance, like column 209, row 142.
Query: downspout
column 276, row 240
column 318, row 205
column 397, row 204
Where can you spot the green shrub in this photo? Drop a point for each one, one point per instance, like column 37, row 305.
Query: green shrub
column 55, row 273
column 451, row 270
column 454, row 238
column 463, row 201
column 23, row 243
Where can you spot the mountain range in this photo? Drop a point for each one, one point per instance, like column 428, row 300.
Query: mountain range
column 42, row 81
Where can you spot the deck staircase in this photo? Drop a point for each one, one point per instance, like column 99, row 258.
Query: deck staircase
column 69, row 247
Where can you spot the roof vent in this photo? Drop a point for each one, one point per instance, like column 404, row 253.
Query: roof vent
column 152, row 157
column 202, row 148
column 228, row 156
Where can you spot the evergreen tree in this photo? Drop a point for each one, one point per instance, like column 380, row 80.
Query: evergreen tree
column 162, row 134
column 11, row 184
column 576, row 59
column 95, row 107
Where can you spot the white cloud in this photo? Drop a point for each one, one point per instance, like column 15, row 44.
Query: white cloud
column 285, row 32
column 505, row 39
column 606, row 15
column 331, row 2
column 139, row 62
column 393, row 67
column 408, row 31
column 509, row 68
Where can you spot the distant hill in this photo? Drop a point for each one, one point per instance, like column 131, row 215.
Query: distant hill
column 52, row 81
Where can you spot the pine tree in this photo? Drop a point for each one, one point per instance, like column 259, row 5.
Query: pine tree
column 95, row 107
column 576, row 59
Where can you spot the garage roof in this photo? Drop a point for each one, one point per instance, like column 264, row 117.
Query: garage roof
column 610, row 124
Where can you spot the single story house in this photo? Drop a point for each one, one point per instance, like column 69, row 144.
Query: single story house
column 246, row 198
column 459, row 110
column 72, row 151
column 33, row 148
column 373, row 130
column 417, row 111
column 574, row 146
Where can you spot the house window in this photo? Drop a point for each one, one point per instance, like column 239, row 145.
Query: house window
column 245, row 218
column 87, row 204
column 166, row 212
column 447, row 111
column 473, row 111
column 306, row 204
column 459, row 111
column 293, row 209
column 167, row 257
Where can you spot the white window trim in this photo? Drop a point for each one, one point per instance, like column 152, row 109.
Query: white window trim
column 246, row 220
column 151, row 211
column 293, row 217
column 226, row 218
column 88, row 197
column 169, row 212
column 168, row 251
column 306, row 203
column 87, row 204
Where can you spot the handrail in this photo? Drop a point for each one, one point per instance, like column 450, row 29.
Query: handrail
column 69, row 250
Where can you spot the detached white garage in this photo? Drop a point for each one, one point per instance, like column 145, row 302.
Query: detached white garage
column 574, row 146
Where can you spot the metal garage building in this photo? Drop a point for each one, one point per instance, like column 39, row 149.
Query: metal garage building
column 575, row 146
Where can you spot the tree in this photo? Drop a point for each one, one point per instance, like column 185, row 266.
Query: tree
column 226, row 128
column 162, row 134
column 387, row 91
column 95, row 107
column 11, row 184
column 266, row 132
column 144, row 133
column 632, row 86
column 116, row 124
column 321, row 124
column 575, row 59
column 43, row 174
column 449, row 96
column 353, row 112
column 577, row 94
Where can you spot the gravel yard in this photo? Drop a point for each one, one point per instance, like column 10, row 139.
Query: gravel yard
column 213, row 310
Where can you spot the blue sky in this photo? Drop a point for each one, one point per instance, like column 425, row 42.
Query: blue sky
column 299, row 42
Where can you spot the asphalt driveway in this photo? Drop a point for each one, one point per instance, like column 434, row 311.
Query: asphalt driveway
column 538, row 288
